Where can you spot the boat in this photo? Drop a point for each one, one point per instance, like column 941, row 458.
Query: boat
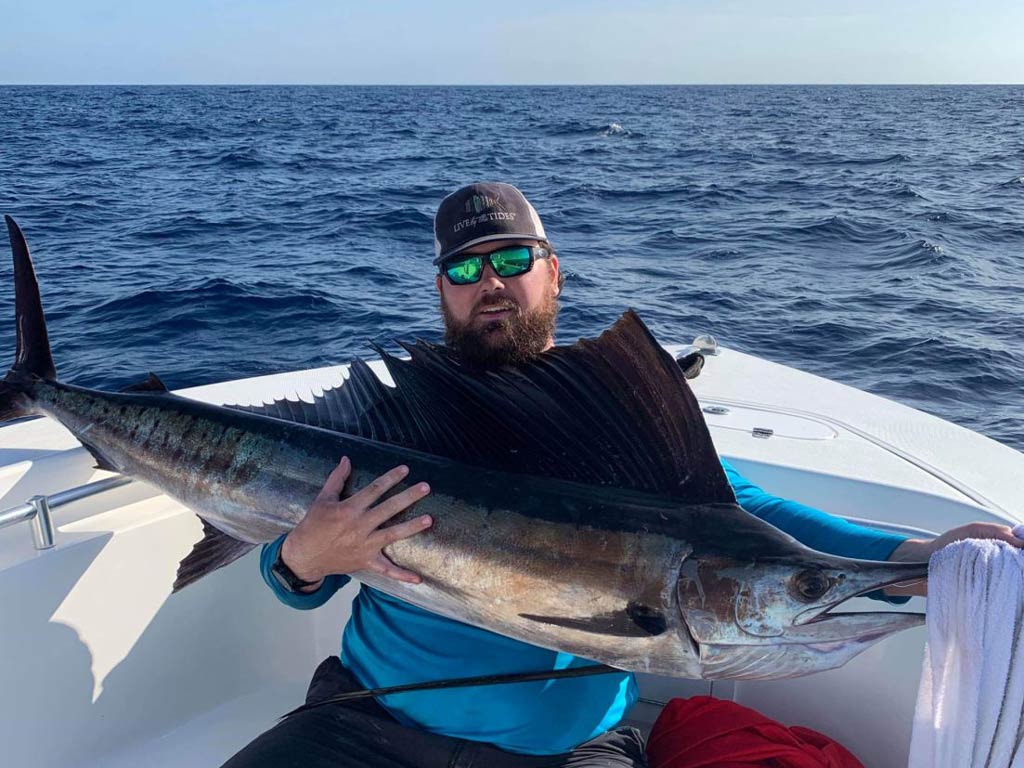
column 101, row 665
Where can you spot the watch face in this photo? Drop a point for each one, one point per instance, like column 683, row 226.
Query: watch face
column 275, row 571
column 283, row 575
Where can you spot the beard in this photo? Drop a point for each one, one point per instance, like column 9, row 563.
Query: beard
column 509, row 341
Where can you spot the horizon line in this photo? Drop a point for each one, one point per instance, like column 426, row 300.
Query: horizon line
column 499, row 85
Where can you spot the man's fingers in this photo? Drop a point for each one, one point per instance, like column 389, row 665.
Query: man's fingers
column 336, row 481
column 394, row 533
column 982, row 531
column 1006, row 534
column 368, row 495
column 388, row 508
column 384, row 566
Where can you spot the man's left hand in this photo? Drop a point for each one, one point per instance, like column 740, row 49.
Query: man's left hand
column 919, row 550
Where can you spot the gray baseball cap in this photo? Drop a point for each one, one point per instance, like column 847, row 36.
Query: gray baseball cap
column 482, row 212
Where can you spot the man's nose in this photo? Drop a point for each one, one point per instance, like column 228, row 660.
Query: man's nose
column 491, row 281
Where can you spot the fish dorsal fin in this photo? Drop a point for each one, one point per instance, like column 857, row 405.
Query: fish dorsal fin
column 363, row 405
column 149, row 384
column 612, row 411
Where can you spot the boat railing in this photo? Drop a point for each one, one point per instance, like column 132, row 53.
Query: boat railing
column 37, row 509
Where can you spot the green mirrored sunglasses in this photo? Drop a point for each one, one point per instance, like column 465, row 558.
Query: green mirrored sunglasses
column 507, row 262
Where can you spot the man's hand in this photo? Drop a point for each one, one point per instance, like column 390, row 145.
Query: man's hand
column 919, row 550
column 346, row 536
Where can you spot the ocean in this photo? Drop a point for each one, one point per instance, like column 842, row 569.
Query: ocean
column 872, row 235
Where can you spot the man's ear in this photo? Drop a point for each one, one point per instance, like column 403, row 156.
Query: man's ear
column 554, row 272
column 437, row 284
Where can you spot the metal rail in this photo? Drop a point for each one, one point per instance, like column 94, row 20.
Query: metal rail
column 37, row 509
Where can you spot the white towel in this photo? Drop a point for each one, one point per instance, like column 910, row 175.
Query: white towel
column 970, row 707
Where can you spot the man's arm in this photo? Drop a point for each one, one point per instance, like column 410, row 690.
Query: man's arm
column 812, row 527
column 827, row 533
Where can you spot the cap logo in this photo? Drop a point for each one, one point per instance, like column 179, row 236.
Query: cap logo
column 476, row 205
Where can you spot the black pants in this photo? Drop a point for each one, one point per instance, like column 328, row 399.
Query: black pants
column 361, row 734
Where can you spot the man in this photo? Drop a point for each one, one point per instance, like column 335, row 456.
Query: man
column 498, row 284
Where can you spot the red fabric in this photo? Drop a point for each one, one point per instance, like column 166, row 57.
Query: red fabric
column 704, row 732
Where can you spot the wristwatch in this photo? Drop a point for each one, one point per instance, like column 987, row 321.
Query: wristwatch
column 284, row 576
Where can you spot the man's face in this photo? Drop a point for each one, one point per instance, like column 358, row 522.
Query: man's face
column 524, row 323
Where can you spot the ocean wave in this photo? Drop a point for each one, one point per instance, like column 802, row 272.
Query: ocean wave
column 906, row 191
column 189, row 226
column 939, row 216
column 208, row 301
column 672, row 238
column 77, row 161
column 831, row 158
column 840, row 228
column 405, row 217
column 715, row 194
column 896, row 157
column 575, row 128
column 918, row 255
column 614, row 129
column 230, row 159
column 720, row 255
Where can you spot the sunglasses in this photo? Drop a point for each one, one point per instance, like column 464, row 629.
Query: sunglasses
column 506, row 262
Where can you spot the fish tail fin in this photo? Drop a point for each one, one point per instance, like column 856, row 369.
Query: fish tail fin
column 32, row 359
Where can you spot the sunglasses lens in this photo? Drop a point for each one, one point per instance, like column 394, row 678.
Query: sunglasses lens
column 466, row 271
column 510, row 262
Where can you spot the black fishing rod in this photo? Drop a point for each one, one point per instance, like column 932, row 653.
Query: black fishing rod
column 460, row 682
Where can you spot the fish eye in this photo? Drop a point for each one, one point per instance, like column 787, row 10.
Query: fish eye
column 811, row 585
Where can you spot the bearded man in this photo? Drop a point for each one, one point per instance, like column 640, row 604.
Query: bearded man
column 498, row 281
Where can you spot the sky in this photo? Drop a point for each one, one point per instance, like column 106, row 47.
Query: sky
column 521, row 42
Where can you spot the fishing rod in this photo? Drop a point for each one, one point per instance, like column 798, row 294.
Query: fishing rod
column 459, row 682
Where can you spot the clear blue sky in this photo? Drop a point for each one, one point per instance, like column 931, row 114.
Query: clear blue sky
column 439, row 41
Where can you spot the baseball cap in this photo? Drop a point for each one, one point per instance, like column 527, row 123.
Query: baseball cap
column 482, row 212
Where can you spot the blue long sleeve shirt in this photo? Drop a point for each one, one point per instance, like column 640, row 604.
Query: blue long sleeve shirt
column 390, row 642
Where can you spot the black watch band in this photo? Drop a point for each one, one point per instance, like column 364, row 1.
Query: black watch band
column 284, row 576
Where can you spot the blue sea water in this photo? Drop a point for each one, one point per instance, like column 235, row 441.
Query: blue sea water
column 873, row 235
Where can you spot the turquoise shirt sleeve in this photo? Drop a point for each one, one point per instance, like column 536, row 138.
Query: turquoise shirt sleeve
column 814, row 528
column 305, row 600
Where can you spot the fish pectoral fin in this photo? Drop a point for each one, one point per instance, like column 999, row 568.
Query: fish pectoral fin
column 215, row 550
column 635, row 620
column 149, row 384
column 102, row 462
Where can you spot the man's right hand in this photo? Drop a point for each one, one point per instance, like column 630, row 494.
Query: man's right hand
column 346, row 536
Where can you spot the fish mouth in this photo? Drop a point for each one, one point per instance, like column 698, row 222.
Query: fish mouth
column 819, row 614
column 867, row 626
column 828, row 642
